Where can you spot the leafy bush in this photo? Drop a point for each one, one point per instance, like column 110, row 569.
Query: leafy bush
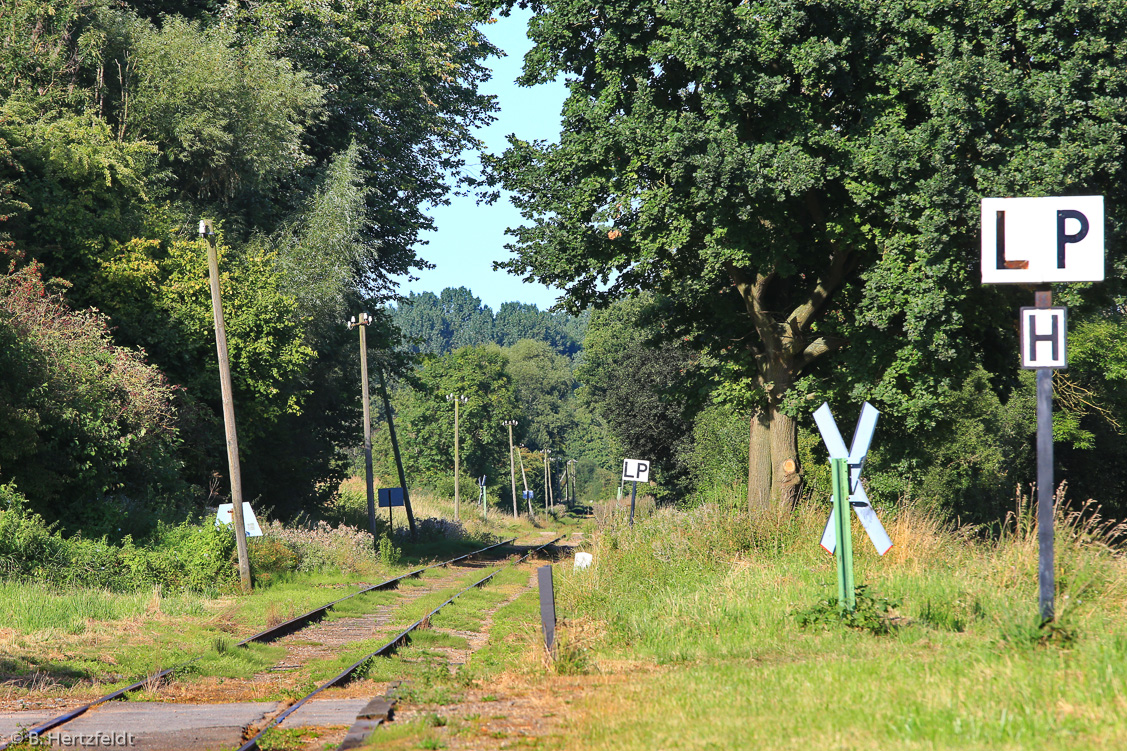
column 80, row 418
column 270, row 559
column 718, row 457
column 324, row 546
column 178, row 557
column 877, row 615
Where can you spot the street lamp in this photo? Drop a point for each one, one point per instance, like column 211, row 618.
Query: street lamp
column 362, row 324
column 512, row 465
column 457, row 399
column 208, row 234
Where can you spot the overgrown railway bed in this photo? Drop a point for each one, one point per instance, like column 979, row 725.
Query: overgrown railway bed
column 220, row 713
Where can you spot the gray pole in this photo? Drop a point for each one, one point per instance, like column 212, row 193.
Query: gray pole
column 456, row 398
column 395, row 450
column 228, row 408
column 546, row 505
column 551, row 494
column 571, row 479
column 1044, row 299
column 457, row 465
column 524, row 481
column 633, row 494
column 512, row 466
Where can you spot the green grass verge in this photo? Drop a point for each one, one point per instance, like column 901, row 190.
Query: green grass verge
column 950, row 656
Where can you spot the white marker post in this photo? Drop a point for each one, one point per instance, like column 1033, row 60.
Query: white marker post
column 849, row 493
column 635, row 470
column 1037, row 241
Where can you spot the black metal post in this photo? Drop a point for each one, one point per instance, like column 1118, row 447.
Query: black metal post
column 395, row 450
column 633, row 495
column 1046, row 578
column 547, row 607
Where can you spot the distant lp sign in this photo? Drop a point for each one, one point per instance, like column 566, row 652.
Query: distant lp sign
column 1041, row 240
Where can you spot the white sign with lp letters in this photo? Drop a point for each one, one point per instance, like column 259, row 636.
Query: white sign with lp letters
column 637, row 470
column 1042, row 240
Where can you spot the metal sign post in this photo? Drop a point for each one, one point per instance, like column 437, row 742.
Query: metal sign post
column 635, row 470
column 843, row 535
column 849, row 492
column 483, row 499
column 547, row 607
column 389, row 498
column 1036, row 241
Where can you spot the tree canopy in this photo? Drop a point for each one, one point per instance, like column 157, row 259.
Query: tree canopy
column 311, row 134
column 802, row 180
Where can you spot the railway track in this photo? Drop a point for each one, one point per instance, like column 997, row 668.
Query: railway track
column 283, row 629
column 401, row 639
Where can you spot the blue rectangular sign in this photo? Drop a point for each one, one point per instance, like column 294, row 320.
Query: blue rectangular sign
column 390, row 497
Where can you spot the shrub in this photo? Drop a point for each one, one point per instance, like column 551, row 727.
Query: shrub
column 177, row 557
column 80, row 418
column 270, row 559
column 323, row 546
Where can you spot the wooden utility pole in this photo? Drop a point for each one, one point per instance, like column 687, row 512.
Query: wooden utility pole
column 369, row 480
column 208, row 234
column 457, row 399
column 512, row 464
column 395, row 451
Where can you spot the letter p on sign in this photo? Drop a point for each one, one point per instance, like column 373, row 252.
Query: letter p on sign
column 1041, row 240
column 637, row 470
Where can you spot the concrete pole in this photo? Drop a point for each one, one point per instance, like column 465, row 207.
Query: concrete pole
column 228, row 408
column 524, row 481
column 551, row 493
column 546, row 504
column 457, row 465
column 512, row 466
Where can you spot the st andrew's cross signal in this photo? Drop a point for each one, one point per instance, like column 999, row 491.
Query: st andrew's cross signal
column 848, row 492
column 1037, row 241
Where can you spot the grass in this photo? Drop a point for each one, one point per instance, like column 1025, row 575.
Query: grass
column 69, row 636
column 710, row 612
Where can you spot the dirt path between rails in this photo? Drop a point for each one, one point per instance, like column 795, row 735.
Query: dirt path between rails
column 290, row 676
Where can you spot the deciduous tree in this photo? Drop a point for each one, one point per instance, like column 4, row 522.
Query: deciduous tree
column 802, row 179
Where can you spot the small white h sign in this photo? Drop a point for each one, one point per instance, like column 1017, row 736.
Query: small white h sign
column 637, row 470
column 1040, row 240
column 1043, row 337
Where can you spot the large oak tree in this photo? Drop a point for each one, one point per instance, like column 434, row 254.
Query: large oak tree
column 801, row 179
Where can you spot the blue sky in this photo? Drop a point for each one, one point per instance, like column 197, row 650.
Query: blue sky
column 469, row 238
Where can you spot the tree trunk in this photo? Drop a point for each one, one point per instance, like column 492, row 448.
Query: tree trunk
column 784, row 459
column 759, row 464
column 773, row 472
